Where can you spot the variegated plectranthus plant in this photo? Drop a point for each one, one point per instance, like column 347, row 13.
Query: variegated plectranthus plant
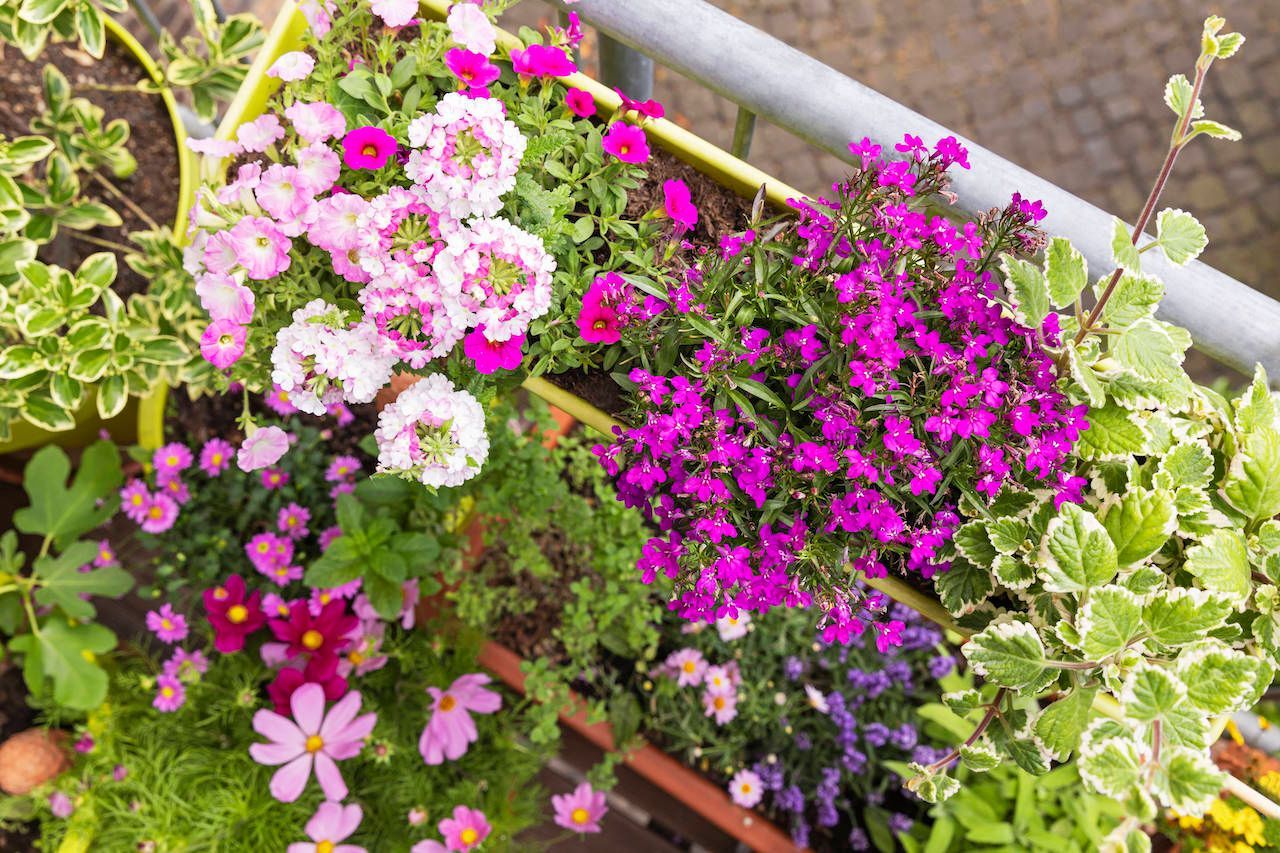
column 1120, row 627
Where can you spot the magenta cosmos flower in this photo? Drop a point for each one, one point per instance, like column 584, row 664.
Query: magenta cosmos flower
column 678, row 203
column 580, row 103
column 222, row 343
column 264, row 447
column 450, row 731
column 367, row 147
column 332, row 823
column 626, row 142
column 170, row 694
column 169, row 627
column 466, row 829
column 310, row 739
column 581, row 810
column 234, row 613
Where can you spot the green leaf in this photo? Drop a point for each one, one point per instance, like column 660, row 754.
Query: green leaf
column 1181, row 615
column 1187, row 781
column 1007, row 535
column 113, row 393
column 1252, row 484
column 1009, row 654
column 66, row 513
column 39, row 409
column 1150, row 693
column 1108, row 621
column 1066, row 272
column 91, row 29
column 963, row 587
column 1219, row 679
column 962, row 702
column 980, row 756
column 99, row 270
column 40, row 11
column 1180, row 235
column 1221, row 563
column 62, row 583
column 1076, row 552
column 1028, row 290
column 1214, row 130
column 1112, row 766
column 1084, row 376
column 1135, row 296
column 1147, row 349
column 386, row 596
column 1139, row 524
column 1123, row 252
column 1188, row 463
column 67, row 654
column 1255, row 409
column 1062, row 724
column 1113, row 433
column 1013, row 572
column 1177, row 94
column 973, row 543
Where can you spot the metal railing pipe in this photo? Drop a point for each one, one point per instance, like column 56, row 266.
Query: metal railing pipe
column 1228, row 320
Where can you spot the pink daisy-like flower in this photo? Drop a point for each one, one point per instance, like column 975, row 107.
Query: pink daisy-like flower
column 580, row 811
column 312, row 739
column 470, row 27
column 688, row 665
column 261, row 133
column 723, row 707
column 580, row 103
column 260, row 247
column 160, row 513
column 328, row 535
column 278, row 402
column 678, row 204
column 733, row 628
column 170, row 694
column 367, row 147
column 215, row 456
column 263, row 447
column 292, row 66
column 626, row 142
column 342, row 468
column 282, row 575
column 465, row 830
column 171, row 459
column 169, row 627
column 222, row 343
column 316, row 121
column 490, row 356
column 292, row 520
column 274, row 478
column 451, row 731
column 718, row 679
column 106, row 555
column 173, row 486
column 134, row 500
column 746, row 789
column 60, row 805
column 331, row 824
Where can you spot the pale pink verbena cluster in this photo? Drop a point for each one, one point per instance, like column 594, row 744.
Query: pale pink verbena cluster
column 433, row 433
column 320, row 360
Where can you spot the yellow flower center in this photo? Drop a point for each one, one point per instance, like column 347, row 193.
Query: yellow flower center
column 264, row 547
column 166, row 624
column 355, row 657
column 313, row 639
column 689, row 666
column 216, row 459
column 237, row 613
column 745, row 787
column 171, row 460
column 580, row 816
column 325, row 598
column 291, row 522
column 469, row 836
column 369, row 150
column 315, row 743
column 167, row 692
column 447, row 702
column 136, row 500
column 324, row 847
column 156, row 511
column 718, row 702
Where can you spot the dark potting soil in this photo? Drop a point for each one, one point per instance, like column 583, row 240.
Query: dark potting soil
column 153, row 186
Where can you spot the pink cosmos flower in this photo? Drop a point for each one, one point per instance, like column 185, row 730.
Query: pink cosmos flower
column 274, row 478
column 678, row 204
column 473, row 69
column 321, row 671
column 184, row 664
column 450, row 731
column 171, row 459
column 580, row 103
column 540, row 60
column 316, row 121
column 470, row 27
column 261, row 133
column 363, row 655
column 260, row 247
column 170, row 694
column 581, row 810
column 394, row 13
column 489, row 355
column 292, row 520
column 225, row 298
column 465, row 830
column 169, row 627
column 160, row 514
column 222, row 343
column 214, row 147
column 428, row 845
column 688, row 665
column 332, row 823
column 294, row 65
column 368, row 147
column 263, row 447
column 311, row 738
column 215, row 456
column 723, row 707
column 746, row 789
column 626, row 142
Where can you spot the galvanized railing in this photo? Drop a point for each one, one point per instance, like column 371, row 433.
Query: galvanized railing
column 1228, row 320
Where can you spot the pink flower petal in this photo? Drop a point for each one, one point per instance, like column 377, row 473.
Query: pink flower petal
column 279, row 729
column 339, row 716
column 330, row 778
column 307, row 704
column 288, row 782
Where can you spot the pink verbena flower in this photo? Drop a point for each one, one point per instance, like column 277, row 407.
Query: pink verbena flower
column 746, row 789
column 292, row 66
column 168, row 626
column 678, row 204
column 580, row 103
column 171, row 694
column 398, row 235
column 261, row 133
column 417, row 324
column 581, row 810
column 470, row 27
column 500, row 273
column 434, row 433
column 215, row 456
column 262, row 447
column 627, row 142
column 222, row 343
column 316, row 121
column 465, row 830
column 367, row 147
column 450, row 731
column 331, row 824
column 160, row 513
column 319, row 360
column 311, row 739
column 490, row 356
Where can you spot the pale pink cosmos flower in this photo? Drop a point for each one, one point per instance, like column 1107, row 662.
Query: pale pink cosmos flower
column 733, row 627
column 263, row 447
column 581, row 810
column 394, row 13
column 746, row 789
column 332, row 823
column 225, row 298
column 214, row 147
column 260, row 247
column 222, row 343
column 168, row 626
column 316, row 121
column 465, row 830
column 723, row 707
column 311, row 739
column 688, row 665
column 294, row 65
column 170, row 694
column 451, row 731
column 429, row 845
column 261, row 133
column 470, row 27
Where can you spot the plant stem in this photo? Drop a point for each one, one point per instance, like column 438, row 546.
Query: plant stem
column 1149, row 207
column 31, row 614
column 125, row 200
column 992, row 710
column 98, row 241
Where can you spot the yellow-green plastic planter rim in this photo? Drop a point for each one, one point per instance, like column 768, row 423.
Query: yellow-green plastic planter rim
column 149, row 410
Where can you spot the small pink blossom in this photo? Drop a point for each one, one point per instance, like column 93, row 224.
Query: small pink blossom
column 189, row 664
column 60, row 805
column 394, row 13
column 470, row 27
column 678, row 203
column 292, row 520
column 581, row 810
column 688, row 665
column 368, row 147
column 539, row 60
column 451, row 731
column 160, row 513
column 215, row 456
column 746, row 789
column 489, row 356
column 168, row 626
column 222, row 343
column 225, row 298
column 319, row 166
column 214, row 147
column 274, row 478
column 473, row 69
column 170, row 694
column 316, row 121
column 319, row 15
column 283, row 192
column 263, row 447
column 626, row 142
column 134, row 500
column 721, row 706
column 261, row 133
column 580, row 103
column 465, row 830
column 337, row 222
column 171, row 459
column 260, row 247
column 292, row 66
column 332, row 823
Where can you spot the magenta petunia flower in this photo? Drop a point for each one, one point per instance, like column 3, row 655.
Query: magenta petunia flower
column 626, row 142
column 160, row 513
column 581, row 810
column 170, row 694
column 367, row 147
column 274, row 478
column 465, row 830
column 215, row 456
column 331, row 824
column 647, row 109
column 473, row 69
column 263, row 447
column 746, row 789
column 310, row 740
column 234, row 613
column 222, row 343
column 171, row 458
column 169, row 627
column 580, row 103
column 678, row 203
column 292, row 66
column 292, row 520
column 489, row 355
column 451, row 731
column 540, row 60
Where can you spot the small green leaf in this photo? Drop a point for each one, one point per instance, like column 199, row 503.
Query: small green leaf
column 1076, row 552
column 1113, row 433
column 62, row 583
column 1028, row 290
column 1066, row 272
column 1110, row 618
column 1214, row 130
column 1177, row 94
column 1221, row 563
column 1252, row 484
column 68, row 513
column 1062, row 724
column 1147, row 349
column 974, row 544
column 1009, row 654
column 1112, row 766
column 1181, row 615
column 1139, row 524
column 1181, row 236
column 113, row 393
column 1219, row 679
column 1187, row 781
column 66, row 653
column 1135, row 297
column 963, row 586
column 1188, row 463
column 1123, row 252
column 1255, row 409
column 1150, row 693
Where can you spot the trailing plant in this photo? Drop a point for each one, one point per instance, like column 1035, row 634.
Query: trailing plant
column 212, row 64
column 29, row 24
column 46, row 616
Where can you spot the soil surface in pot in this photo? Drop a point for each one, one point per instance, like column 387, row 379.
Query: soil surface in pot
column 153, row 186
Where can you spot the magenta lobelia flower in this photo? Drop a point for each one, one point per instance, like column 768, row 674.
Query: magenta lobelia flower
column 678, row 203
column 169, row 627
column 581, row 810
column 332, row 823
column 263, row 447
column 310, row 739
column 294, row 65
column 626, row 142
column 465, row 830
column 222, row 343
column 450, row 731
column 489, row 355
column 367, row 147
column 580, row 103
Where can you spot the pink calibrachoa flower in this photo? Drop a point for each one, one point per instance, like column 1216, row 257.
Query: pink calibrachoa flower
column 169, row 627
column 332, row 823
column 260, row 247
column 292, row 66
column 627, row 142
column 171, row 459
column 215, row 456
column 225, row 298
column 394, row 13
column 746, row 789
column 540, row 60
column 465, row 830
column 580, row 103
column 688, row 665
column 489, row 355
column 283, row 192
column 678, row 204
column 451, row 731
column 723, row 707
column 234, row 613
column 311, row 738
column 367, row 147
column 292, row 520
column 316, row 121
column 263, row 447
column 261, row 133
column 646, row 109
column 319, row 15
column 274, row 478
column 160, row 513
column 170, row 694
column 222, row 343
column 473, row 69
column 598, row 323
column 580, row 811
column 470, row 27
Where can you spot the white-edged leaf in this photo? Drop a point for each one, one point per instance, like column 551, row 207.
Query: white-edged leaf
column 1066, row 272
column 1009, row 654
column 1181, row 236
column 1076, row 552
